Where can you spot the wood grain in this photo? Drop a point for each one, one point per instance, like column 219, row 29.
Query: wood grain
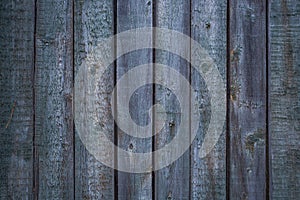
column 248, row 99
column 208, row 175
column 44, row 43
column 135, row 14
column 172, row 182
column 94, row 21
column 284, row 95
column 53, row 100
column 16, row 99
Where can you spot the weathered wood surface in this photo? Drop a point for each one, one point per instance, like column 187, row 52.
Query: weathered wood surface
column 16, row 99
column 247, row 100
column 284, row 91
column 53, row 100
column 208, row 175
column 42, row 47
column 93, row 21
column 172, row 182
column 133, row 14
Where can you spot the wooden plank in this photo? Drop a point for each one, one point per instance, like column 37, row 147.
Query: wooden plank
column 247, row 99
column 172, row 182
column 284, row 94
column 53, row 99
column 135, row 14
column 16, row 99
column 93, row 21
column 208, row 175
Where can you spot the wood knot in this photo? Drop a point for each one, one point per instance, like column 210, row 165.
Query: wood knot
column 171, row 123
column 207, row 25
column 130, row 146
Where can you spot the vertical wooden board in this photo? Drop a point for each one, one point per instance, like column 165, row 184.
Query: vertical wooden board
column 53, row 100
column 16, row 99
column 172, row 182
column 247, row 99
column 208, row 175
column 284, row 95
column 133, row 14
column 94, row 21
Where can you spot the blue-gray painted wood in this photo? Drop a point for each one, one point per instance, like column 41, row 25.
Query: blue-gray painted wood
column 53, row 100
column 208, row 175
column 172, row 182
column 135, row 14
column 94, row 21
column 16, row 99
column 248, row 94
column 37, row 156
column 284, row 92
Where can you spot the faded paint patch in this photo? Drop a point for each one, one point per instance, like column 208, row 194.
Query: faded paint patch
column 253, row 138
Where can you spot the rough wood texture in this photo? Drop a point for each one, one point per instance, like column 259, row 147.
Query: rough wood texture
column 53, row 100
column 172, row 182
column 134, row 14
column 208, row 175
column 247, row 99
column 16, row 99
column 37, row 149
column 93, row 21
column 284, row 94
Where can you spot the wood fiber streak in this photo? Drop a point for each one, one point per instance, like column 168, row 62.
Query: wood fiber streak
column 284, row 94
column 94, row 21
column 135, row 14
column 248, row 99
column 172, row 182
column 16, row 99
column 208, row 175
column 53, row 99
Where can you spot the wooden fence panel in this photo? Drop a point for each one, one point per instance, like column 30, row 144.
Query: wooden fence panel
column 16, row 99
column 208, row 175
column 248, row 93
column 53, row 100
column 172, row 182
column 93, row 22
column 133, row 14
column 284, row 108
column 254, row 44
